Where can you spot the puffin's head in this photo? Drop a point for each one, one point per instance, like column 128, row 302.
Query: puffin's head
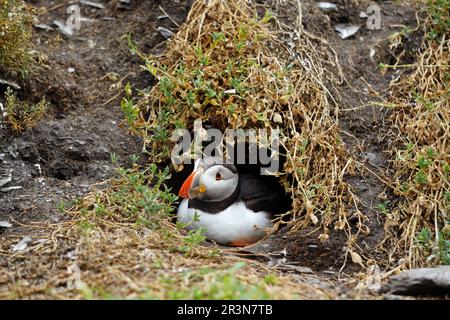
column 210, row 181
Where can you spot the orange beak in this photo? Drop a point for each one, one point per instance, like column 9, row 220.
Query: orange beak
column 192, row 187
column 187, row 185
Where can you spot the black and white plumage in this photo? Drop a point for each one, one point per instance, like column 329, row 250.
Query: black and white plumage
column 234, row 208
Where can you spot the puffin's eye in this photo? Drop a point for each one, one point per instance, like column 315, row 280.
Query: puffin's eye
column 218, row 176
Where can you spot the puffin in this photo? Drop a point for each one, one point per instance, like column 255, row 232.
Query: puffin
column 233, row 208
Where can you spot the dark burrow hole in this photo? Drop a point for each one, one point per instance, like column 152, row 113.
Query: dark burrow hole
column 62, row 169
column 246, row 168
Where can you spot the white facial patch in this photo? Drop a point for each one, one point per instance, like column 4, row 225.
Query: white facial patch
column 218, row 190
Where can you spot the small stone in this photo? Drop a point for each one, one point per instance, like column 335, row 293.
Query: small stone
column 277, row 118
column 92, row 4
column 5, row 181
column 5, row 224
column 38, row 169
column 66, row 30
column 424, row 281
column 327, row 6
column 11, row 84
column 91, row 43
column 347, row 30
column 22, row 244
column 166, row 33
column 124, row 5
column 11, row 189
column 43, row 26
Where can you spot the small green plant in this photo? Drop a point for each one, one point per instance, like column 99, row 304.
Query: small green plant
column 195, row 237
column 129, row 108
column 114, row 157
column 424, row 237
column 436, row 250
column 134, row 159
column 23, row 115
column 383, row 207
column 15, row 37
column 62, row 206
column 210, row 283
column 85, row 226
column 138, row 196
column 440, row 18
column 421, row 178
column 267, row 16
column 444, row 245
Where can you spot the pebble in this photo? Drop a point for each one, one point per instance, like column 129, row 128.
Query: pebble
column 347, row 30
column 327, row 6
column 5, row 181
column 5, row 224
column 11, row 189
column 22, row 244
column 424, row 281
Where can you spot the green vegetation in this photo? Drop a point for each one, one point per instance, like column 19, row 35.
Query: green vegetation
column 204, row 283
column 420, row 114
column 439, row 11
column 210, row 283
column 15, row 37
column 21, row 116
column 437, row 252
column 134, row 200
column 16, row 60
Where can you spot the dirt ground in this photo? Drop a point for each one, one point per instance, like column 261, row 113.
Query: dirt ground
column 69, row 152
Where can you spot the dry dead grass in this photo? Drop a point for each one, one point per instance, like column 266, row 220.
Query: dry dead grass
column 103, row 253
column 418, row 230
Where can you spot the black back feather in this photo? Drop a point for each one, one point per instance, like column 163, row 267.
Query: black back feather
column 263, row 193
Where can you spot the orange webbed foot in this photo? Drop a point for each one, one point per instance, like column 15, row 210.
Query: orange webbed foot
column 242, row 243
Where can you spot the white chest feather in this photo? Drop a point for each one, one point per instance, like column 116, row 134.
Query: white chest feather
column 235, row 223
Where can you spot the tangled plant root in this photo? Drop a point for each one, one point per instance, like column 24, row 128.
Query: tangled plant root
column 419, row 230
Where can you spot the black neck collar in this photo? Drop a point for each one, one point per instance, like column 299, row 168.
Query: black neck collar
column 215, row 206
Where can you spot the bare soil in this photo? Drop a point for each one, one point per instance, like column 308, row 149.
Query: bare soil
column 81, row 77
